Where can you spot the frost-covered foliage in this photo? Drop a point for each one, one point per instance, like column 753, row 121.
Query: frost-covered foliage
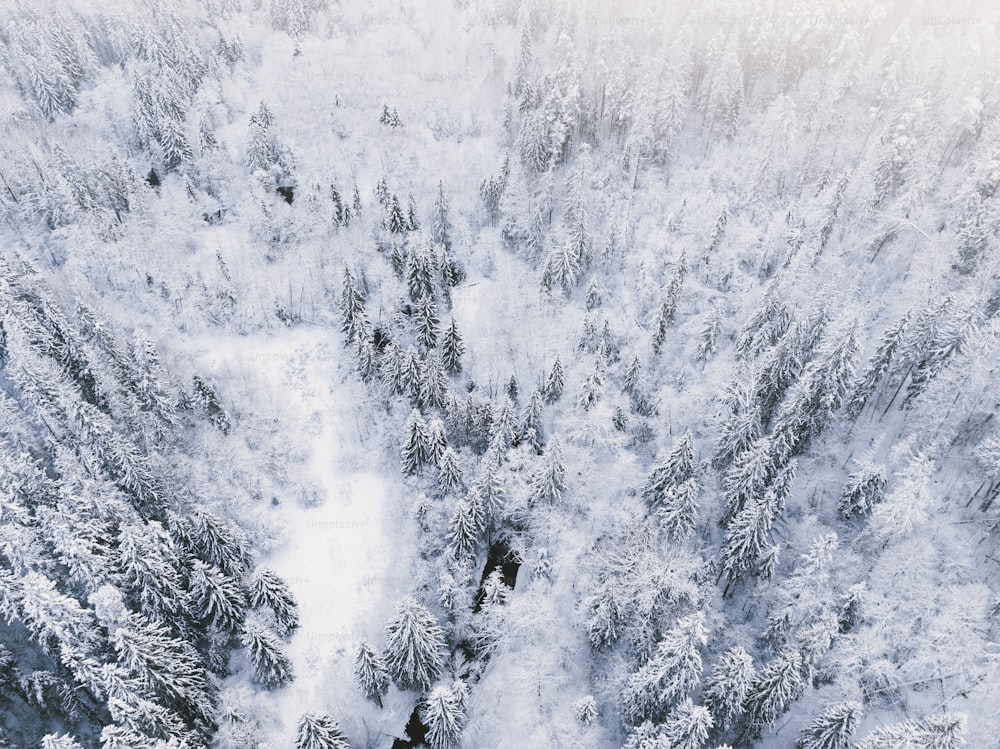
column 664, row 338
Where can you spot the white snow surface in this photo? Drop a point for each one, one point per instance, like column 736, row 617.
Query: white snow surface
column 347, row 557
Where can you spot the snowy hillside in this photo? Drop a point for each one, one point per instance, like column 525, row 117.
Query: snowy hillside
column 524, row 373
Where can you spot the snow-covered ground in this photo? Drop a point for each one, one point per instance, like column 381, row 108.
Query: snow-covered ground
column 346, row 549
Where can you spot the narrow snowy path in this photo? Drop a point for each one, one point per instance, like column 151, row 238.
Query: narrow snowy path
column 346, row 557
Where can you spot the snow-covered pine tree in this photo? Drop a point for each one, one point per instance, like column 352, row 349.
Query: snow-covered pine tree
column 412, row 222
column 672, row 671
column 631, row 381
column 549, row 484
column 674, row 470
column 833, row 728
column 395, row 220
column 727, row 686
column 863, row 490
column 434, row 383
column 414, row 646
column 271, row 665
column 320, row 731
column 944, row 731
column 352, row 306
column 452, row 349
column 466, row 527
column 708, row 340
column 371, row 673
column 416, row 445
column 555, row 383
column 678, row 508
column 688, row 726
column 530, row 426
column 267, row 590
column 441, row 219
column 449, row 472
column 437, row 441
column 427, row 322
column 443, row 712
column 216, row 597
column 776, row 687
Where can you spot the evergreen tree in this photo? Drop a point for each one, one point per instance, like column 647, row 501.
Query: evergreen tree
column 443, row 712
column 531, row 418
column 728, row 685
column 676, row 469
column 371, row 673
column 270, row 663
column 708, row 344
column 864, row 489
column 688, row 726
column 449, row 472
column 593, row 386
column 414, row 646
column 490, row 490
column 412, row 222
column 441, row 221
column 832, row 729
column 945, row 731
column 632, row 376
column 672, row 671
column 416, row 447
column 555, row 383
column 427, row 322
column 466, row 527
column 452, row 349
column 395, row 220
column 320, row 731
column 352, row 306
column 268, row 590
column 218, row 599
column 549, row 484
column 774, row 689
column 437, row 442
column 593, row 294
column 678, row 509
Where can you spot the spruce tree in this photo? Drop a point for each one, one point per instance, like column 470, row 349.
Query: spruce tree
column 268, row 590
column 672, row 671
column 434, row 384
column 371, row 673
column 531, row 417
column 864, row 489
column 781, row 682
column 466, row 527
column 555, row 383
column 441, row 221
column 678, row 509
column 416, row 446
column 688, row 726
column 631, row 381
column 833, row 728
column 320, row 731
column 443, row 713
column 427, row 322
column 452, row 349
column 449, row 472
column 437, row 442
column 270, row 664
column 217, row 598
column 549, row 484
column 395, row 220
column 728, row 685
column 414, row 646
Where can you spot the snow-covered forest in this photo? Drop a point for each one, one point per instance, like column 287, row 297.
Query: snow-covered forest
column 516, row 373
